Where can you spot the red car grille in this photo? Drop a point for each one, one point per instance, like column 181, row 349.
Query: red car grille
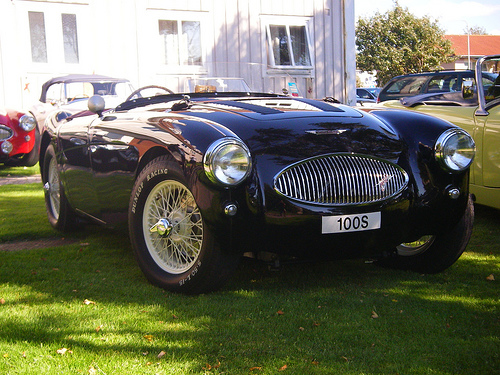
column 5, row 133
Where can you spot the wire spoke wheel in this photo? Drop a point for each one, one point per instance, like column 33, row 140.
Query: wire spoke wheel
column 415, row 247
column 177, row 249
column 53, row 187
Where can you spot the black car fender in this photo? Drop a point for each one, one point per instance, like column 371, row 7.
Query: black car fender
column 420, row 133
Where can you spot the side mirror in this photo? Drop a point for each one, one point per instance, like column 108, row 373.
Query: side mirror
column 96, row 104
column 468, row 89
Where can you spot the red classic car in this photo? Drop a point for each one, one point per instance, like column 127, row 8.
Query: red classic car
column 17, row 139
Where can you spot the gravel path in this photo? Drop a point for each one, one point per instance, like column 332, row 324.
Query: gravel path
column 16, row 180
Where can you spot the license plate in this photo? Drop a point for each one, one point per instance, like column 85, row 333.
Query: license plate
column 350, row 223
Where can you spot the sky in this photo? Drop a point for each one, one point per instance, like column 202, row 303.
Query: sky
column 453, row 16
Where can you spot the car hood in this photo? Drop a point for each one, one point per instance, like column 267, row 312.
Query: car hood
column 297, row 131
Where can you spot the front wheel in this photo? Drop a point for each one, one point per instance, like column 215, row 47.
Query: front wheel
column 172, row 244
column 59, row 212
column 433, row 254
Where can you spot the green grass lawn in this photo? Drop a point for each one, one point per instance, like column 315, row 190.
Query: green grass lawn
column 19, row 171
column 85, row 308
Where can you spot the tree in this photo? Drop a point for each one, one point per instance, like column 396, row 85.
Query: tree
column 476, row 30
column 397, row 42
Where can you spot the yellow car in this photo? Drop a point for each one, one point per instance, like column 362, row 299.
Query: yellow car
column 476, row 109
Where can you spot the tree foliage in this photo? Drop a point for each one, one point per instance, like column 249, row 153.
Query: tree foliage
column 397, row 42
column 476, row 30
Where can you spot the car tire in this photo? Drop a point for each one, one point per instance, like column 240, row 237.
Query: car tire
column 31, row 158
column 172, row 243
column 434, row 254
column 59, row 212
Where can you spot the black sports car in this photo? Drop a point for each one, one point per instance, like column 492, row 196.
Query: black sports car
column 207, row 177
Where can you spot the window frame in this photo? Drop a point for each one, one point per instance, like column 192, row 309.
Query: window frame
column 71, row 47
column 182, row 48
column 38, row 38
column 287, row 22
column 149, row 44
column 52, row 14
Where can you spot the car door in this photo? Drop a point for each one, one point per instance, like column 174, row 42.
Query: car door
column 490, row 147
column 114, row 159
column 75, row 160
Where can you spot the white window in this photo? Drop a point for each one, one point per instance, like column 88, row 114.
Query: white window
column 37, row 37
column 288, row 45
column 180, row 42
column 70, row 38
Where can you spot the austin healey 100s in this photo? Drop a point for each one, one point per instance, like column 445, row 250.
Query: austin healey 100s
column 206, row 177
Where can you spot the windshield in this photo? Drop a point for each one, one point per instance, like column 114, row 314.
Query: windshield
column 491, row 80
column 208, row 84
column 87, row 89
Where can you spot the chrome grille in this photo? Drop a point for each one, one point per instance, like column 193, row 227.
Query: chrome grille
column 5, row 133
column 341, row 179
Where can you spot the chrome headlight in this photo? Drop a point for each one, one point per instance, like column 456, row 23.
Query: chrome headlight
column 227, row 161
column 7, row 147
column 27, row 123
column 455, row 150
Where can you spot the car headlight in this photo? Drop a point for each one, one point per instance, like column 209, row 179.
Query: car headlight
column 27, row 123
column 455, row 150
column 7, row 147
column 227, row 161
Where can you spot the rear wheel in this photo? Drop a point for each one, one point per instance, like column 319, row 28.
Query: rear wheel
column 172, row 244
column 59, row 212
column 433, row 254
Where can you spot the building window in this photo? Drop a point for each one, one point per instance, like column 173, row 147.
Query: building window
column 288, row 46
column 70, row 38
column 37, row 37
column 180, row 42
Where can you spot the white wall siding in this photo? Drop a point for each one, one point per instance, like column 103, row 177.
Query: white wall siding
column 120, row 38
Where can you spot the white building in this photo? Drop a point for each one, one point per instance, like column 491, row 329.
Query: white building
column 163, row 42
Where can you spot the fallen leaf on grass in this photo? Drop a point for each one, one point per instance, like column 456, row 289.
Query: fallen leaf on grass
column 280, row 312
column 88, row 302
column 161, row 354
column 97, row 329
column 283, row 368
column 209, row 367
column 490, row 278
column 255, row 368
column 374, row 315
column 2, row 301
column 63, row 351
column 149, row 337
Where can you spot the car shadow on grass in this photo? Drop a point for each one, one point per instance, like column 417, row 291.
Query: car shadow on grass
column 343, row 317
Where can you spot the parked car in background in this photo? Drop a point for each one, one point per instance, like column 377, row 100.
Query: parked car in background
column 364, row 102
column 427, row 83
column 368, row 92
column 203, row 178
column 475, row 109
column 70, row 93
column 18, row 139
